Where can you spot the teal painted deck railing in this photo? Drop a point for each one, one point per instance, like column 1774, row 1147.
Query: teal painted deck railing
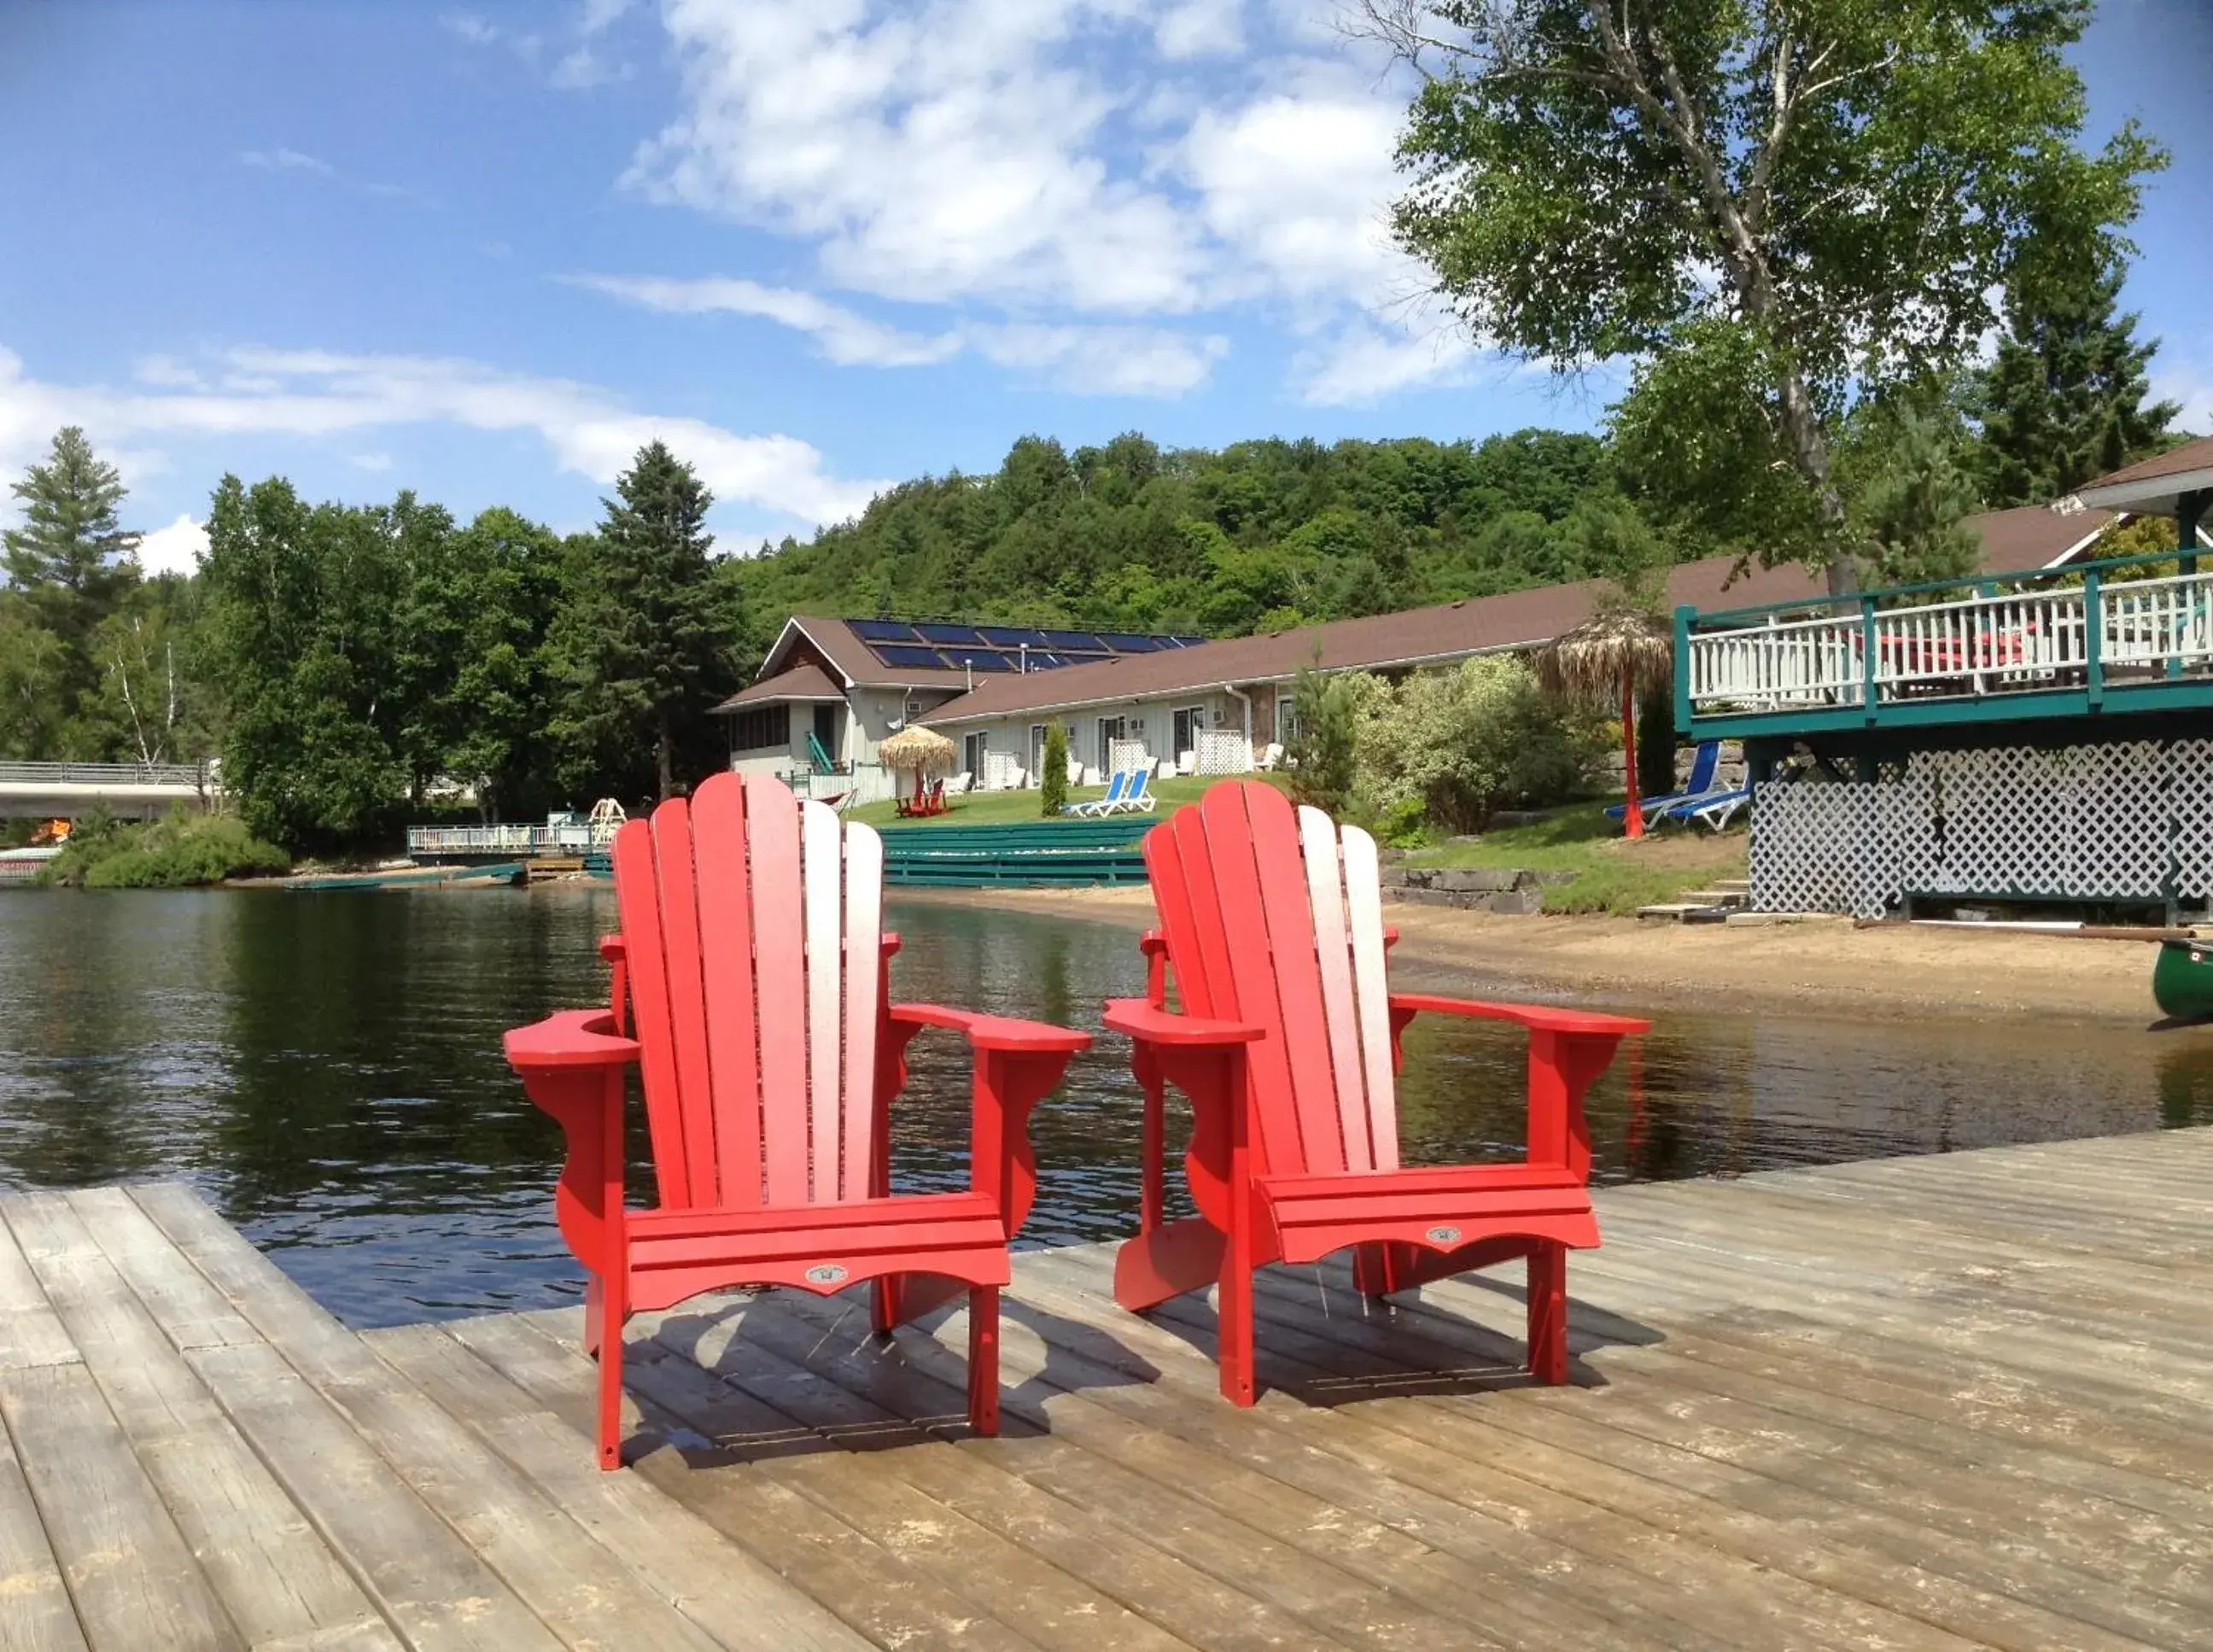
column 2113, row 636
column 1032, row 853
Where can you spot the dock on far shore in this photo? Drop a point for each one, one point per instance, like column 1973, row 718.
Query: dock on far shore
column 1917, row 1403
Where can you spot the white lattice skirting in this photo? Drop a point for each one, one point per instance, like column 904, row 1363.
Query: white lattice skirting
column 2111, row 821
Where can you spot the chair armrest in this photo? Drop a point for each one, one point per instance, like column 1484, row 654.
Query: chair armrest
column 1568, row 1049
column 998, row 1032
column 1149, row 1023
column 1538, row 1018
column 1018, row 1064
column 573, row 1037
column 572, row 1066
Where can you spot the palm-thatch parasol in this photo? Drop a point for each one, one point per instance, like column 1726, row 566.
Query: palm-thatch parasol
column 1611, row 656
column 916, row 748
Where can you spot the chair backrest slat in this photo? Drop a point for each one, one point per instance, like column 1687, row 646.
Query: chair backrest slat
column 753, row 924
column 1333, row 955
column 864, row 968
column 726, row 943
column 1274, row 916
column 823, row 875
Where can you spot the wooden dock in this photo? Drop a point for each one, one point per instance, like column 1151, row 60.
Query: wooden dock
column 1923, row 1403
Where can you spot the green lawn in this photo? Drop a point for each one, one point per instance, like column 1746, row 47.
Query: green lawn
column 1612, row 874
column 1009, row 808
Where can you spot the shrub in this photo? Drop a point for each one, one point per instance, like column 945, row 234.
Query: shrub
column 1462, row 743
column 181, row 850
column 1053, row 784
column 1322, row 751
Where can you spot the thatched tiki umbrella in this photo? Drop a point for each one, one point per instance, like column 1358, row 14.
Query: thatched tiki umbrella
column 919, row 749
column 1615, row 653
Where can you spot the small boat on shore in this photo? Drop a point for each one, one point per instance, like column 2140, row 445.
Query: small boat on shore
column 2182, row 979
column 505, row 874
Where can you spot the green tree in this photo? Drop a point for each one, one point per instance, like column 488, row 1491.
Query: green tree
column 34, row 676
column 1812, row 198
column 1911, row 490
column 2064, row 401
column 1053, row 780
column 647, row 635
column 1324, row 737
column 301, row 605
column 72, row 562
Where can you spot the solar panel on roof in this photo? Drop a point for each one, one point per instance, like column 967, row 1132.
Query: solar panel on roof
column 907, row 656
column 1011, row 637
column 965, row 634
column 883, row 630
column 1189, row 642
column 981, row 659
column 1072, row 639
column 1130, row 642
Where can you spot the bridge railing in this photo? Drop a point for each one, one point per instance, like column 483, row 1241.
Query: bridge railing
column 198, row 776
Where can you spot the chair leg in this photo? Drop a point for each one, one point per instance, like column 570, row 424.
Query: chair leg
column 1234, row 1315
column 596, row 1308
column 1371, row 1269
column 1548, row 1313
column 884, row 1310
column 611, row 1364
column 983, row 1359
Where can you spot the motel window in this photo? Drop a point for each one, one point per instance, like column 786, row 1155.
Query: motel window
column 761, row 728
column 1287, row 719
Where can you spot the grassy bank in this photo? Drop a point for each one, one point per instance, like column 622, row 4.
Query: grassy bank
column 181, row 850
column 1611, row 874
column 1019, row 807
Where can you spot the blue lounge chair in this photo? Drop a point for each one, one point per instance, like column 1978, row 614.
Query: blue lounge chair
column 1137, row 799
column 1117, row 786
column 1703, row 762
column 1715, row 809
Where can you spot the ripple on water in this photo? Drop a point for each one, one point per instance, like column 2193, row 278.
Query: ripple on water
column 326, row 1069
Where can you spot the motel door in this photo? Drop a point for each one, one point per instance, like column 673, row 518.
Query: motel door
column 1110, row 730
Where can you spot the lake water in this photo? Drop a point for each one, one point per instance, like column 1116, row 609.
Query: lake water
column 325, row 1070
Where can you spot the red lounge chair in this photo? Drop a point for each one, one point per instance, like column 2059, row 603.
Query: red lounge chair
column 770, row 1050
column 1288, row 1045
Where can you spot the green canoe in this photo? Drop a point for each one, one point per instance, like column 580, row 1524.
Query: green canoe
column 2182, row 980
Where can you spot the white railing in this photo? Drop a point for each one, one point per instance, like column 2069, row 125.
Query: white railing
column 1780, row 663
column 505, row 840
column 1994, row 641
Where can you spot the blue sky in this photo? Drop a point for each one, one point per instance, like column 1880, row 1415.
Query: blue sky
column 485, row 250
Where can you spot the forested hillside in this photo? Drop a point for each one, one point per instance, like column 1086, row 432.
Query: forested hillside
column 1259, row 535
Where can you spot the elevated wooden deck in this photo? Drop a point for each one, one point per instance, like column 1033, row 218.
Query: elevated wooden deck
column 1916, row 1404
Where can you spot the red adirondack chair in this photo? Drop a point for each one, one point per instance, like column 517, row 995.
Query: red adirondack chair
column 751, row 987
column 1287, row 1044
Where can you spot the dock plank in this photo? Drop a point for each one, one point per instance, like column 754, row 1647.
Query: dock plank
column 1910, row 1405
column 275, row 1576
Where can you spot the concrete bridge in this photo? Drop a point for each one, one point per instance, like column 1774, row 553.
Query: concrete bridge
column 137, row 791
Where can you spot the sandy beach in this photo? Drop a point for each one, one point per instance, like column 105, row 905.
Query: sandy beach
column 1827, row 965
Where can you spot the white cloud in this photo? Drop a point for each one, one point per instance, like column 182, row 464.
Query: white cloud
column 2192, row 387
column 1086, row 358
column 1199, row 28
column 1362, row 363
column 167, row 372
column 176, row 549
column 283, row 159
column 312, row 393
column 846, row 337
column 1030, row 167
column 470, row 27
column 1120, row 361
column 377, row 463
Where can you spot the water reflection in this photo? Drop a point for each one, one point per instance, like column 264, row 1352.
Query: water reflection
column 326, row 1070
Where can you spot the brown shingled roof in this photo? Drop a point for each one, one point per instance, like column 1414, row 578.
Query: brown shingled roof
column 2034, row 536
column 858, row 661
column 802, row 682
column 2190, row 456
column 1446, row 631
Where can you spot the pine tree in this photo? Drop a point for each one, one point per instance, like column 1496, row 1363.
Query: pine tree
column 72, row 557
column 71, row 563
column 2063, row 402
column 648, row 639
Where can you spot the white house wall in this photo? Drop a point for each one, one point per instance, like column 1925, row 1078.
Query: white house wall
column 1149, row 720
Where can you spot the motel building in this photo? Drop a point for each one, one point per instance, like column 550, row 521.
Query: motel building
column 832, row 690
